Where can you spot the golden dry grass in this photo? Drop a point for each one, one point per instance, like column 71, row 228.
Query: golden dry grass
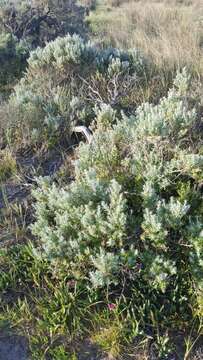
column 169, row 32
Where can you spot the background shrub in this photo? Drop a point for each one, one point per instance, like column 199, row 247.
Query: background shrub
column 13, row 56
column 25, row 25
column 66, row 80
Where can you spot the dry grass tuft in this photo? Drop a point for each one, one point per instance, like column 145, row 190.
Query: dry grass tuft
column 169, row 32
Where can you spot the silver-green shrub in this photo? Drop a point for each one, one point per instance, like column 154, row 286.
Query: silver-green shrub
column 66, row 80
column 135, row 208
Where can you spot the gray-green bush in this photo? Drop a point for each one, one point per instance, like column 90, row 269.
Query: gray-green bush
column 66, row 80
column 135, row 208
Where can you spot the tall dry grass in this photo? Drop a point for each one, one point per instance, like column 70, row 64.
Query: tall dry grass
column 170, row 32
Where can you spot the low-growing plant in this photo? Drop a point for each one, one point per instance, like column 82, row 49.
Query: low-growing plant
column 8, row 165
column 25, row 25
column 65, row 81
column 131, row 222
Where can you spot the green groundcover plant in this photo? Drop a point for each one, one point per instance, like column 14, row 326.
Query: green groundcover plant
column 130, row 224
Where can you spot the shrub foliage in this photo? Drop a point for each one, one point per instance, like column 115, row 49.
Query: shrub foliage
column 24, row 25
column 13, row 56
column 121, row 244
column 40, row 21
column 131, row 222
column 64, row 83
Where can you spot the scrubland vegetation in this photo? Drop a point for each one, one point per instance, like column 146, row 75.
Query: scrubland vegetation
column 101, row 241
column 169, row 32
